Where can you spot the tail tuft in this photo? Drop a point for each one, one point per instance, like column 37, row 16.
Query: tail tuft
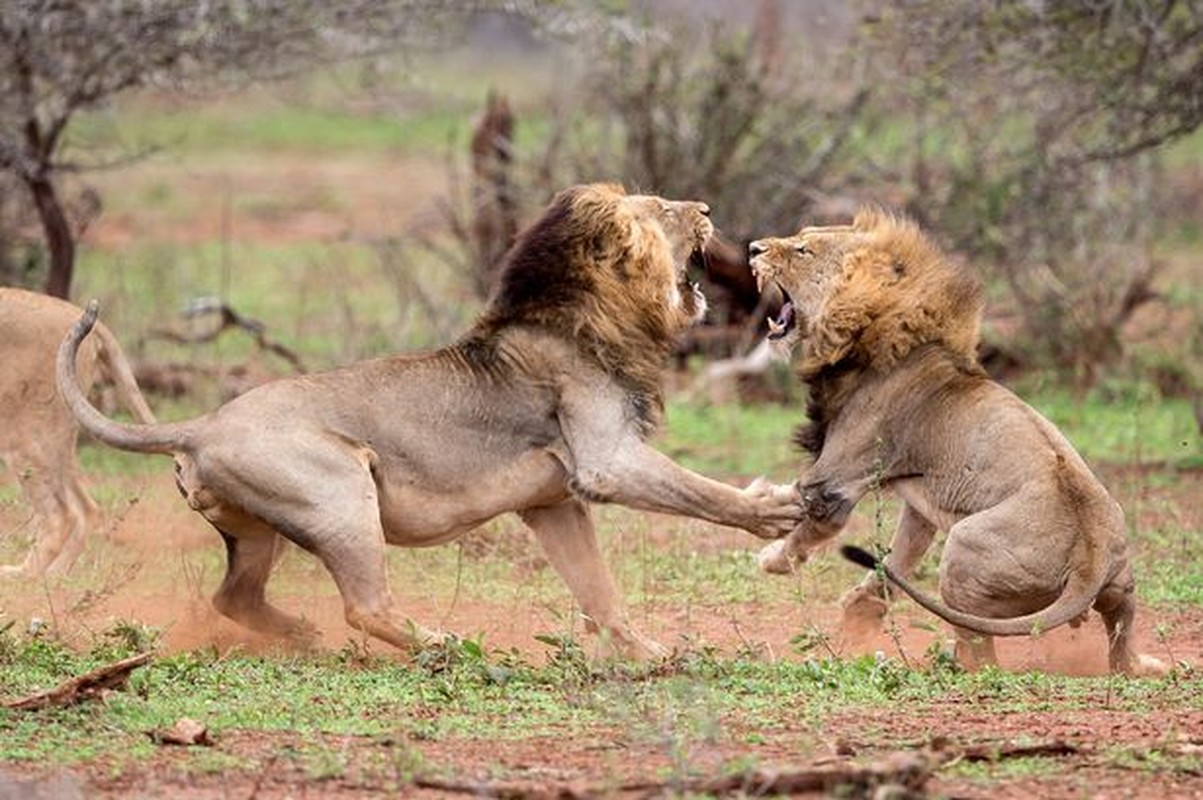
column 858, row 556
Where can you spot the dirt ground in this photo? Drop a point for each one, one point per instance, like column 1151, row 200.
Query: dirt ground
column 143, row 575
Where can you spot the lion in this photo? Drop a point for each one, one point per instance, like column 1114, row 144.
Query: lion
column 886, row 330
column 38, row 439
column 543, row 407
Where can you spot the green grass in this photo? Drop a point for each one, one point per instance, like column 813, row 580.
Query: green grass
column 463, row 691
column 1124, row 424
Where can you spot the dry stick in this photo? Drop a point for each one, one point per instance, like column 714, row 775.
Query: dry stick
column 229, row 318
column 83, row 687
column 907, row 769
column 911, row 770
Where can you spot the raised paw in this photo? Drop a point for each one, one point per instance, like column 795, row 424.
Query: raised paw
column 777, row 508
column 777, row 558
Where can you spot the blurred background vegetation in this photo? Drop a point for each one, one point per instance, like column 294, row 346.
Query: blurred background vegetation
column 337, row 180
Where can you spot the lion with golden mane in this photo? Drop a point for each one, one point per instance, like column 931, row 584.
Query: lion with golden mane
column 543, row 407
column 886, row 330
column 37, row 440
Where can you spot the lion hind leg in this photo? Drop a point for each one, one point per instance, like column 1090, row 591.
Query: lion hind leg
column 47, row 496
column 352, row 548
column 974, row 650
column 1117, row 605
column 865, row 605
column 566, row 533
column 251, row 552
column 81, row 514
column 368, row 604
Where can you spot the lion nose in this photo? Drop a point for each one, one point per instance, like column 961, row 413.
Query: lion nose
column 703, row 209
column 757, row 248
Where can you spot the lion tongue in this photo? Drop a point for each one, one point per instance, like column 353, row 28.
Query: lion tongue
column 779, row 326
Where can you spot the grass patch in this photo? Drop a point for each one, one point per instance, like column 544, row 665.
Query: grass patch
column 462, row 691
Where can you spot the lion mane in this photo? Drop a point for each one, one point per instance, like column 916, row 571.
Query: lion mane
column 897, row 293
column 592, row 272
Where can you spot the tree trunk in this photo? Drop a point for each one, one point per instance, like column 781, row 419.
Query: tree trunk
column 60, row 241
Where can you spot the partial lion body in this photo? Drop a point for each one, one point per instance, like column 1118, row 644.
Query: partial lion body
column 542, row 408
column 888, row 331
column 491, row 453
column 38, row 437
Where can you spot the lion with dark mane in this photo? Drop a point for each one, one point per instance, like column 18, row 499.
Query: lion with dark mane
column 886, row 329
column 543, row 407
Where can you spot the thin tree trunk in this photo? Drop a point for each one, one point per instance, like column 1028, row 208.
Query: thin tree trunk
column 60, row 241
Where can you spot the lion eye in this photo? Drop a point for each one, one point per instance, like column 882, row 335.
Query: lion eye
column 803, row 250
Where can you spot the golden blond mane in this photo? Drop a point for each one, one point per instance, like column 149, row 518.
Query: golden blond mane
column 590, row 270
column 898, row 292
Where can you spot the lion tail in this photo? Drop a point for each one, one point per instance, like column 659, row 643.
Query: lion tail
column 122, row 375
column 1075, row 599
column 149, row 437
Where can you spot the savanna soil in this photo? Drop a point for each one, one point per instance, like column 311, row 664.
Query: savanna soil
column 156, row 563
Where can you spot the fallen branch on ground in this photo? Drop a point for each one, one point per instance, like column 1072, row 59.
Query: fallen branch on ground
column 906, row 771
column 88, row 686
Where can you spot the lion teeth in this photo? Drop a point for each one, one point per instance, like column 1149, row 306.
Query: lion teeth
column 776, row 328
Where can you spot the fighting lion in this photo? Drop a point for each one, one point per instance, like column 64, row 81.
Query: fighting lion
column 542, row 408
column 885, row 330
column 37, row 440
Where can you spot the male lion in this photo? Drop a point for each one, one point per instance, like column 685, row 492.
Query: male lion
column 37, row 440
column 888, row 330
column 542, row 407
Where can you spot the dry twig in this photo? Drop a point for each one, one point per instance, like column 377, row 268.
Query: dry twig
column 89, row 686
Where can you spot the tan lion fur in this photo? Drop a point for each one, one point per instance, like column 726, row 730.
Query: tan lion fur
column 542, row 407
column 38, row 437
column 886, row 329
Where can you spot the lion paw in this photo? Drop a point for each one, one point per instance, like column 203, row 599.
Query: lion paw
column 776, row 558
column 1146, row 666
column 864, row 611
column 777, row 508
column 629, row 646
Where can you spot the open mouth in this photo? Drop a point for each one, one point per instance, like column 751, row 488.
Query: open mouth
column 785, row 321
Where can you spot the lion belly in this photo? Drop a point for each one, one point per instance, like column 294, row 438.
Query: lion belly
column 418, row 510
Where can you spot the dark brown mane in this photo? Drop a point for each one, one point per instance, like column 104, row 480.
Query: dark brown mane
column 582, row 271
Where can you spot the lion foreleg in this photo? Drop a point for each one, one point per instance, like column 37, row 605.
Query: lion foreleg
column 826, row 507
column 608, row 462
column 638, row 476
column 566, row 533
